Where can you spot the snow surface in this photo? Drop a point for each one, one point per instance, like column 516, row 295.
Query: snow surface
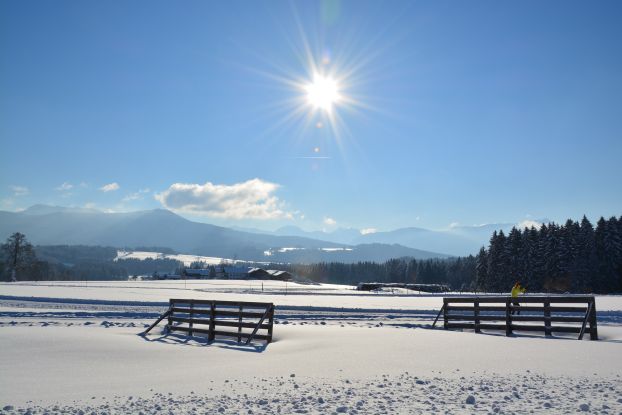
column 278, row 292
column 189, row 259
column 67, row 347
column 186, row 259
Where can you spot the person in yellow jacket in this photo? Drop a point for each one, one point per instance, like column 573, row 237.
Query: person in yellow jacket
column 516, row 291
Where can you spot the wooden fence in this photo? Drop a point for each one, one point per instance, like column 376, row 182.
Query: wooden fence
column 207, row 318
column 565, row 314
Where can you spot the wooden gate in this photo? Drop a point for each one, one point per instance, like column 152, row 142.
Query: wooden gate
column 249, row 321
column 556, row 313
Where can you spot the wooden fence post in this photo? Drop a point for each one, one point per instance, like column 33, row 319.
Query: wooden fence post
column 266, row 314
column 476, row 313
column 162, row 317
column 439, row 314
column 508, row 316
column 212, row 316
column 547, row 318
column 240, row 325
column 270, row 322
column 445, row 320
column 170, row 316
column 191, row 318
column 593, row 328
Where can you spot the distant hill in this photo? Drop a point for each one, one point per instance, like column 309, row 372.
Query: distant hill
column 340, row 235
column 457, row 240
column 47, row 209
column 54, row 225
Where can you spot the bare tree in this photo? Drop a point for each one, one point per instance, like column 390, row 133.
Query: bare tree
column 19, row 253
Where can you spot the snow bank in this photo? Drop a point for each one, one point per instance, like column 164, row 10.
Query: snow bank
column 404, row 393
column 278, row 292
column 335, row 351
column 58, row 365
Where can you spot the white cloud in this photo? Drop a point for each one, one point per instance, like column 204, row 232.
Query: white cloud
column 132, row 196
column 329, row 221
column 110, row 187
column 528, row 223
column 252, row 199
column 90, row 205
column 20, row 190
column 136, row 196
column 65, row 187
column 454, row 225
column 368, row 231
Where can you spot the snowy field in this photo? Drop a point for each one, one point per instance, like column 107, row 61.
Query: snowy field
column 186, row 259
column 69, row 347
column 210, row 260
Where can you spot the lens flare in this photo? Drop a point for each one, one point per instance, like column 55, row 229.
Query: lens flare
column 322, row 93
column 320, row 88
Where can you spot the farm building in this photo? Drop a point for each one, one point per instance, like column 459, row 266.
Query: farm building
column 276, row 274
column 165, row 276
column 198, row 273
column 237, row 273
column 220, row 272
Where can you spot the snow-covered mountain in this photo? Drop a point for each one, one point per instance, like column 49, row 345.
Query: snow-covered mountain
column 339, row 235
column 456, row 240
column 459, row 240
column 52, row 225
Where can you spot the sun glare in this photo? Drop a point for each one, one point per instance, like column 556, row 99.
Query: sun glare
column 322, row 89
column 322, row 93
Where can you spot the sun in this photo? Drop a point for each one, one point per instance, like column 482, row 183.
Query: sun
column 323, row 92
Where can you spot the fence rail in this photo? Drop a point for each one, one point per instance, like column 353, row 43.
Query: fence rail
column 502, row 313
column 205, row 317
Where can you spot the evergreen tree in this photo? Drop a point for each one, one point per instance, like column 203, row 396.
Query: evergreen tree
column 586, row 261
column 481, row 273
column 603, row 271
column 612, row 254
column 497, row 262
column 515, row 260
column 532, row 269
column 18, row 253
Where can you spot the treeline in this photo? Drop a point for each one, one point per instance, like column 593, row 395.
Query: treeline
column 74, row 262
column 74, row 254
column 459, row 273
column 109, row 270
column 572, row 257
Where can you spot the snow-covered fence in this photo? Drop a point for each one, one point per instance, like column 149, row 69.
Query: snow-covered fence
column 206, row 317
column 563, row 311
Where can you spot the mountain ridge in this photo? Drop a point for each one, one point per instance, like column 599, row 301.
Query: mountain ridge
column 457, row 240
column 49, row 225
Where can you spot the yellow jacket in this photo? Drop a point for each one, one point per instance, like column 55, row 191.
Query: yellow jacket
column 517, row 289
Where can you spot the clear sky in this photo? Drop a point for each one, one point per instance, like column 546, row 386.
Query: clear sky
column 444, row 112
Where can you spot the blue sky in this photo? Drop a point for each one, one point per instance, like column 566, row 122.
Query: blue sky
column 449, row 112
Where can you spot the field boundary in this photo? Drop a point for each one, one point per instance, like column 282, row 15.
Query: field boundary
column 572, row 314
column 209, row 317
